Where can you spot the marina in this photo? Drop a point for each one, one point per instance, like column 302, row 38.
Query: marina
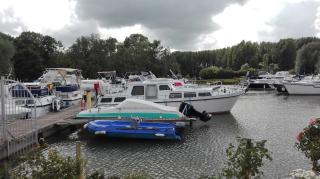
column 148, row 90
column 144, row 124
column 201, row 151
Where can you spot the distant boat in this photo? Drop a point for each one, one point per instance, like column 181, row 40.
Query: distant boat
column 41, row 97
column 261, row 81
column 66, row 83
column 13, row 111
column 133, row 129
column 279, row 86
column 38, row 99
column 307, row 86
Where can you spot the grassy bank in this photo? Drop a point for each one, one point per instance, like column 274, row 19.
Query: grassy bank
column 231, row 81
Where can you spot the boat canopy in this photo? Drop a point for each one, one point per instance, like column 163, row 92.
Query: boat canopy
column 138, row 104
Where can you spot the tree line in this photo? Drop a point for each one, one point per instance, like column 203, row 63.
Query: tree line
column 27, row 55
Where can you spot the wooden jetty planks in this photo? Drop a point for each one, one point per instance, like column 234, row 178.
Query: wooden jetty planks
column 22, row 128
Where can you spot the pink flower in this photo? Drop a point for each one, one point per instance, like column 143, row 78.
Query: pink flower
column 312, row 121
column 299, row 136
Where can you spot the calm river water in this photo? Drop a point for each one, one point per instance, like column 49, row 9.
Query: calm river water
column 258, row 115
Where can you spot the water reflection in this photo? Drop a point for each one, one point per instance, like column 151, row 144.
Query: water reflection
column 258, row 115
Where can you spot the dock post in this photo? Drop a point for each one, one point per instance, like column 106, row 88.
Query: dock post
column 79, row 160
column 88, row 99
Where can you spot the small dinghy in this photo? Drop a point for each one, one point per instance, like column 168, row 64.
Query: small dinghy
column 133, row 129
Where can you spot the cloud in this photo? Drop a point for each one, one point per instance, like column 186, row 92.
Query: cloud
column 9, row 24
column 69, row 33
column 263, row 21
column 178, row 23
column 295, row 20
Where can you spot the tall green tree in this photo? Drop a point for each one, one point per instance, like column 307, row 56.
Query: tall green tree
column 287, row 54
column 6, row 53
column 137, row 53
column 92, row 54
column 34, row 52
column 308, row 59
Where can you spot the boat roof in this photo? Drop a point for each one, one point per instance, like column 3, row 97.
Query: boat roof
column 159, row 82
column 139, row 104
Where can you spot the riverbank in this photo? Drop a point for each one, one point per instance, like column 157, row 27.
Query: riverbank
column 225, row 81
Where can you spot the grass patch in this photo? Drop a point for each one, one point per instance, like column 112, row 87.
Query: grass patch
column 230, row 81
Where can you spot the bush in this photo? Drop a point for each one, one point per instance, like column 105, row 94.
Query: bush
column 216, row 72
column 308, row 141
column 136, row 175
column 245, row 160
column 52, row 165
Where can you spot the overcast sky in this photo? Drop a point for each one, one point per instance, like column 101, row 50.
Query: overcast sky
column 179, row 24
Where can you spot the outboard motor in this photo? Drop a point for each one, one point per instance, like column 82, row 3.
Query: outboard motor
column 188, row 110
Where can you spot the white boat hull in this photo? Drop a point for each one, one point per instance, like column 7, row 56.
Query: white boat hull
column 302, row 89
column 210, row 105
column 202, row 99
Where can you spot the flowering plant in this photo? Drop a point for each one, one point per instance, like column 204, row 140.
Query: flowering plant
column 300, row 174
column 308, row 141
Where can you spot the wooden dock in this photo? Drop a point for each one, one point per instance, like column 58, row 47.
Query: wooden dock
column 45, row 125
column 48, row 125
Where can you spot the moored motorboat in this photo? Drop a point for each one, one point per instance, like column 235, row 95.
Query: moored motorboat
column 66, row 84
column 13, row 111
column 279, row 86
column 307, row 86
column 163, row 91
column 41, row 97
column 260, row 81
column 132, row 128
column 132, row 108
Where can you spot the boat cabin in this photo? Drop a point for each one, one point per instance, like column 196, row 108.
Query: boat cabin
column 154, row 91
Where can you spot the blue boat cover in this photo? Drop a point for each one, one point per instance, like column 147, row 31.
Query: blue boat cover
column 67, row 88
column 20, row 91
column 133, row 129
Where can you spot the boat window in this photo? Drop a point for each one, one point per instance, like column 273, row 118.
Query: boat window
column 204, row 94
column 137, row 90
column 190, row 95
column 119, row 99
column 106, row 100
column 175, row 95
column 151, row 92
column 164, row 87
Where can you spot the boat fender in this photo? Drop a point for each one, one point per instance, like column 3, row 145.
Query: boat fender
column 159, row 135
column 82, row 105
column 85, row 126
column 100, row 132
column 56, row 105
column 180, row 124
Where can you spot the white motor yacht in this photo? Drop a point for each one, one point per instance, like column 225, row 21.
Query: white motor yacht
column 66, row 84
column 262, row 81
column 309, row 85
column 163, row 91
